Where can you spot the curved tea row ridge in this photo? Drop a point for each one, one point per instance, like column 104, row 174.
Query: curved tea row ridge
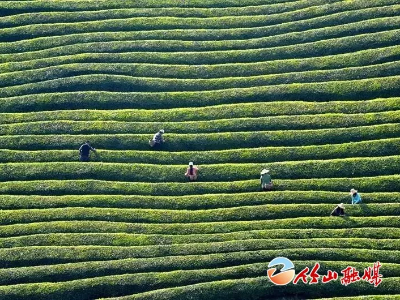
column 43, row 82
column 197, row 228
column 190, row 202
column 388, row 183
column 259, row 288
column 322, row 91
column 305, row 88
column 257, row 212
column 13, row 6
column 329, row 46
column 205, row 39
column 124, row 239
column 216, row 112
column 25, row 18
column 90, row 287
column 170, row 23
column 222, row 125
column 219, row 172
column 374, row 148
column 13, row 71
column 73, row 271
column 369, row 21
column 31, row 256
column 206, row 141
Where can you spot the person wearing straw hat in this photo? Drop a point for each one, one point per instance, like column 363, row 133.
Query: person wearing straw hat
column 338, row 211
column 266, row 182
column 158, row 139
column 355, row 197
column 191, row 172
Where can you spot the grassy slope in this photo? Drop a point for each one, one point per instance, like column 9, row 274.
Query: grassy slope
column 308, row 89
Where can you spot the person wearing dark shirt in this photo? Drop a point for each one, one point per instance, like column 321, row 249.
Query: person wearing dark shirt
column 338, row 211
column 84, row 151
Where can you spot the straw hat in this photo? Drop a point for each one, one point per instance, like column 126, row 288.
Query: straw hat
column 353, row 191
column 265, row 171
column 341, row 205
column 191, row 163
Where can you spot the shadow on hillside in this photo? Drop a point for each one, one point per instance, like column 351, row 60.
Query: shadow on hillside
column 366, row 211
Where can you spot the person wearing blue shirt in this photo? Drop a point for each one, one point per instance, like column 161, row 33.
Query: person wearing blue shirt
column 355, row 197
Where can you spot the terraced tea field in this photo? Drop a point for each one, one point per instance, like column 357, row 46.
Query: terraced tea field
column 309, row 89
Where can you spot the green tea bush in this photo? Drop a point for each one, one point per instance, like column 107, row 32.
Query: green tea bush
column 122, row 284
column 178, row 40
column 306, row 88
column 70, row 187
column 244, row 213
column 123, row 239
column 259, row 155
column 204, row 141
column 261, row 287
column 325, row 47
column 225, row 111
column 89, row 269
column 324, row 250
column 199, row 228
column 191, row 202
column 134, row 84
column 320, row 91
column 355, row 59
column 224, row 125
column 351, row 12
column 21, row 6
column 349, row 167
column 116, row 11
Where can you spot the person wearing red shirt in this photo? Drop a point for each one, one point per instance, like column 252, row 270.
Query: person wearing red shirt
column 191, row 172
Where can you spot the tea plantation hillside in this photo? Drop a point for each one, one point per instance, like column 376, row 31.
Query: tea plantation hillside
column 309, row 89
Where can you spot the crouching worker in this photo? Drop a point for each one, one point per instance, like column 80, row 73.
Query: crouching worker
column 158, row 139
column 84, row 152
column 191, row 172
column 355, row 197
column 338, row 211
column 266, row 182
